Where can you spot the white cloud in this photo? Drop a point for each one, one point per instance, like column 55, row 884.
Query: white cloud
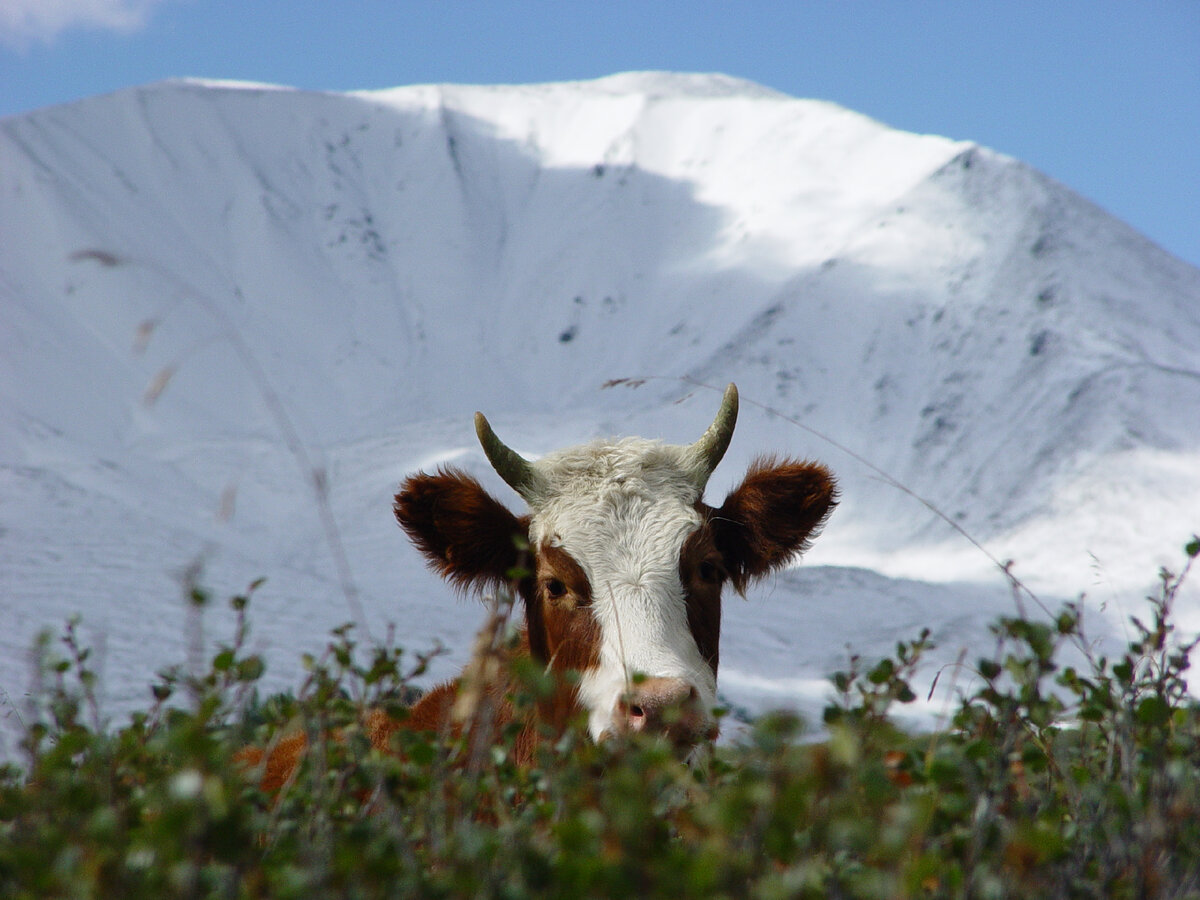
column 23, row 22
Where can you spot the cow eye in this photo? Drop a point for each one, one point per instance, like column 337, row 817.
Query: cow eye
column 710, row 572
column 555, row 589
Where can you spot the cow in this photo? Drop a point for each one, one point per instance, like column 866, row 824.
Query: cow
column 618, row 566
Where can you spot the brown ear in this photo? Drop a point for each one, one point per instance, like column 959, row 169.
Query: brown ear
column 467, row 537
column 772, row 516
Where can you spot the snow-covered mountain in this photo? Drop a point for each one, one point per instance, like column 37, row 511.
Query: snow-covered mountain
column 210, row 292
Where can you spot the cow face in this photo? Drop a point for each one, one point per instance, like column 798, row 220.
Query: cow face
column 628, row 562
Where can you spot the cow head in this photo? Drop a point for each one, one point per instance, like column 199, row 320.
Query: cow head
column 626, row 560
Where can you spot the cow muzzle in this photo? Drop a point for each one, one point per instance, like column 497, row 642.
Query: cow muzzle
column 667, row 706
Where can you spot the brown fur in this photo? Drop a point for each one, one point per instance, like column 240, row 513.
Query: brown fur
column 702, row 572
column 466, row 536
column 438, row 711
column 772, row 517
column 562, row 633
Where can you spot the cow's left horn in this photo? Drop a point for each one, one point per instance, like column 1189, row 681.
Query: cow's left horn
column 707, row 451
column 518, row 473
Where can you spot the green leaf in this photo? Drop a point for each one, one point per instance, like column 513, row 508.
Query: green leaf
column 421, row 753
column 1066, row 622
column 250, row 668
column 989, row 669
column 1153, row 710
column 883, row 670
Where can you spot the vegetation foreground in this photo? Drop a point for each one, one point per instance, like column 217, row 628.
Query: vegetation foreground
column 1049, row 780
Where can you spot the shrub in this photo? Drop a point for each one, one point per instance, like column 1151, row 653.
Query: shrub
column 1050, row 780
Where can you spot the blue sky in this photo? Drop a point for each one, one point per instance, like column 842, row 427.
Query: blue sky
column 1101, row 95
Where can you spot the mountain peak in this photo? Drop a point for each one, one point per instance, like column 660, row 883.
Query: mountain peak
column 681, row 84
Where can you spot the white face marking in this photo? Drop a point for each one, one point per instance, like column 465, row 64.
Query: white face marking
column 623, row 511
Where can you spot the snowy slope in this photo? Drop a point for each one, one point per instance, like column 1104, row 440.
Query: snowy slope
column 209, row 291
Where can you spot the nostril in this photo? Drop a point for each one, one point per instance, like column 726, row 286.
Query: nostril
column 660, row 704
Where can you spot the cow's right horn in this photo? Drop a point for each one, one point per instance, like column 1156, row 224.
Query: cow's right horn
column 518, row 473
column 706, row 453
